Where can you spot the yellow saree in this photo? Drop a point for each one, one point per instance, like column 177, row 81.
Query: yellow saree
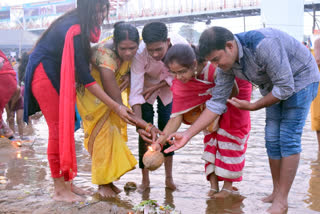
column 105, row 133
column 315, row 111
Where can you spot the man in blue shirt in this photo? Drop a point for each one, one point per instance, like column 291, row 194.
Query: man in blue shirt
column 287, row 76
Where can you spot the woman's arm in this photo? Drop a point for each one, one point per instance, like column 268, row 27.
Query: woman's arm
column 109, row 84
column 120, row 109
column 171, row 127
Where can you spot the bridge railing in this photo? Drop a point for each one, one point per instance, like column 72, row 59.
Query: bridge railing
column 197, row 7
column 128, row 13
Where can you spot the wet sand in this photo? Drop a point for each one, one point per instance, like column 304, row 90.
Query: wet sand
column 26, row 186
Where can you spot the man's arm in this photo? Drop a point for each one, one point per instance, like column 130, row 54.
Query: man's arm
column 137, row 81
column 265, row 101
column 214, row 107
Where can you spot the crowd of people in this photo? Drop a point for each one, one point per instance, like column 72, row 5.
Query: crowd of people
column 119, row 80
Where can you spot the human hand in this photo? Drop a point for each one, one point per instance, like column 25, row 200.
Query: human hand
column 241, row 104
column 156, row 147
column 155, row 132
column 125, row 82
column 145, row 135
column 149, row 91
column 124, row 114
column 177, row 141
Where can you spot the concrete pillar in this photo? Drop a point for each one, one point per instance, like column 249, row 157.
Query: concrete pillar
column 286, row 15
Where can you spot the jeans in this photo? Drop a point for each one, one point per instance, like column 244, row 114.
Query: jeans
column 285, row 121
column 164, row 113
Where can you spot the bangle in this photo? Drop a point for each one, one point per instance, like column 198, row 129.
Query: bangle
column 148, row 127
column 120, row 106
column 161, row 146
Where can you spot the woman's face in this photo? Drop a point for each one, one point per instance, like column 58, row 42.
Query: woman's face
column 181, row 73
column 127, row 49
column 101, row 13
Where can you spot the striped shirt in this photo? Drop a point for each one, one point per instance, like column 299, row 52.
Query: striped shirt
column 269, row 59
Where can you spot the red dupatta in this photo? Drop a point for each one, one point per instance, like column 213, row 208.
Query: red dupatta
column 187, row 96
column 6, row 67
column 67, row 100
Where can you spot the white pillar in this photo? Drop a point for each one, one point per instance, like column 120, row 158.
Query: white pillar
column 286, row 15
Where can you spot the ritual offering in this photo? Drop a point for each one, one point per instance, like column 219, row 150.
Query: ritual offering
column 152, row 160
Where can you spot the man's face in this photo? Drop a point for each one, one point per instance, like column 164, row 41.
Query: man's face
column 158, row 50
column 224, row 59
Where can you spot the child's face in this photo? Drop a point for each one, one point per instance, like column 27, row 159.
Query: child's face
column 158, row 50
column 181, row 73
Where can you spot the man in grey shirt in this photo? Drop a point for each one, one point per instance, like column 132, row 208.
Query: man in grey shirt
column 287, row 76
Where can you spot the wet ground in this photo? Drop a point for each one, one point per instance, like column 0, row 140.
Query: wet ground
column 26, row 186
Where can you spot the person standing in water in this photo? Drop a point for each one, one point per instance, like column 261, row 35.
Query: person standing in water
column 226, row 138
column 151, row 81
column 59, row 60
column 288, row 78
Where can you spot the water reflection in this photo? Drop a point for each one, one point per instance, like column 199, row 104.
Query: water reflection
column 314, row 185
column 168, row 199
column 27, row 167
column 232, row 204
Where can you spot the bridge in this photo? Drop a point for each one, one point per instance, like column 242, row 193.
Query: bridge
column 38, row 16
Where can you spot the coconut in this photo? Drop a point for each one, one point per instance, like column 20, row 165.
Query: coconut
column 152, row 160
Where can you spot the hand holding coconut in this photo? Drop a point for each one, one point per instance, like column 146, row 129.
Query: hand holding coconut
column 150, row 133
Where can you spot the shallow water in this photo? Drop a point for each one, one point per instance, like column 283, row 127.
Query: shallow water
column 26, row 167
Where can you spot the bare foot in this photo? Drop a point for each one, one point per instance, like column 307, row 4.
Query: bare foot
column 115, row 188
column 106, row 191
column 143, row 187
column 278, row 207
column 224, row 193
column 6, row 131
column 77, row 190
column 269, row 198
column 212, row 191
column 170, row 184
column 66, row 196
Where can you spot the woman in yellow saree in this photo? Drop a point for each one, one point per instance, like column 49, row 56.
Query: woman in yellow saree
column 105, row 133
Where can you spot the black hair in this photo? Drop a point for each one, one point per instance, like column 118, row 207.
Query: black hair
column 214, row 38
column 87, row 14
column 22, row 67
column 124, row 31
column 200, row 59
column 182, row 54
column 155, row 32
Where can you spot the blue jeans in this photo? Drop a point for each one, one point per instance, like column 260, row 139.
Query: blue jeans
column 285, row 121
column 164, row 113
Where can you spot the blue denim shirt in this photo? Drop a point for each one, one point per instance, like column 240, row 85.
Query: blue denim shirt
column 269, row 59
